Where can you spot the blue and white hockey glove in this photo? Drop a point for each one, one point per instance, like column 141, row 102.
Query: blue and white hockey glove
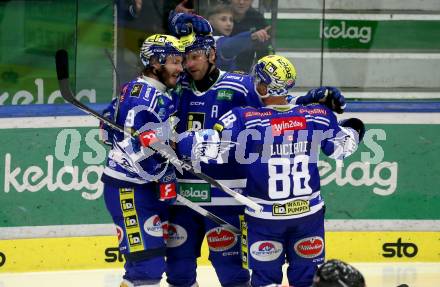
column 329, row 96
column 106, row 132
column 203, row 145
column 181, row 24
column 355, row 124
column 167, row 187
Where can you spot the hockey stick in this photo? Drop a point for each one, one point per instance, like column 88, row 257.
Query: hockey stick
column 63, row 80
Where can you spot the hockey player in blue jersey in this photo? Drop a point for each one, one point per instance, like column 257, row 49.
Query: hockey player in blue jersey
column 138, row 186
column 278, row 146
column 207, row 93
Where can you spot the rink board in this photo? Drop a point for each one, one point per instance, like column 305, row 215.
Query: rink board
column 102, row 252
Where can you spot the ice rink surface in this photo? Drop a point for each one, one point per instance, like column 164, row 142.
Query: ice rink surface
column 376, row 274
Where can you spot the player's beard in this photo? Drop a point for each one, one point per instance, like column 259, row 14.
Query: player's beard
column 165, row 77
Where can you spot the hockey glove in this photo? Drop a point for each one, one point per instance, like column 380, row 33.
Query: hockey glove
column 106, row 132
column 355, row 124
column 329, row 96
column 167, row 186
column 181, row 24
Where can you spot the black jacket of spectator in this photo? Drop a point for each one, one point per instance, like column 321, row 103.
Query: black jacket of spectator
column 252, row 21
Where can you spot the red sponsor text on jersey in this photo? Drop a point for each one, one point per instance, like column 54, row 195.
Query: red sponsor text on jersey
column 309, row 247
column 220, row 239
column 256, row 113
column 314, row 111
column 280, row 125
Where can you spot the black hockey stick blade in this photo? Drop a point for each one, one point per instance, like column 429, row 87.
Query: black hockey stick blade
column 62, row 64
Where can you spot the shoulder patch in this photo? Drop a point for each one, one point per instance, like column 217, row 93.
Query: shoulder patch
column 136, row 90
column 224, row 95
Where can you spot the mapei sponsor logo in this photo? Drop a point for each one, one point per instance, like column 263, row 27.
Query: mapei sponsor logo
column 196, row 192
column 257, row 114
column 291, row 208
column 280, row 125
column 399, row 249
column 177, row 235
column 220, row 239
column 266, row 250
column 343, row 30
column 153, row 226
column 309, row 247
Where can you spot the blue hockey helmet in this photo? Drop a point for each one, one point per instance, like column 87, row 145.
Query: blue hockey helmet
column 160, row 46
column 277, row 72
column 194, row 41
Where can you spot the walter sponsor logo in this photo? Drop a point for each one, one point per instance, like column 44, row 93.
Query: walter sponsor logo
column 257, row 114
column 67, row 178
column 224, row 95
column 291, row 208
column 399, row 249
column 220, row 239
column 280, row 125
column 309, row 247
column 119, row 234
column 24, row 97
column 196, row 192
column 266, row 250
column 153, row 226
column 346, row 30
column 313, row 111
column 177, row 235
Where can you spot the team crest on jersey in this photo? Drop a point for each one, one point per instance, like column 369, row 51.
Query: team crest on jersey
column 224, row 95
column 291, row 208
column 136, row 90
column 196, row 121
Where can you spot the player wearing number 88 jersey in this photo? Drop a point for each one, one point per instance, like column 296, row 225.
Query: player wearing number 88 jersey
column 279, row 145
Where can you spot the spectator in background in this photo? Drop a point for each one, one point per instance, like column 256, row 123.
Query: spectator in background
column 229, row 47
column 247, row 18
column 136, row 19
